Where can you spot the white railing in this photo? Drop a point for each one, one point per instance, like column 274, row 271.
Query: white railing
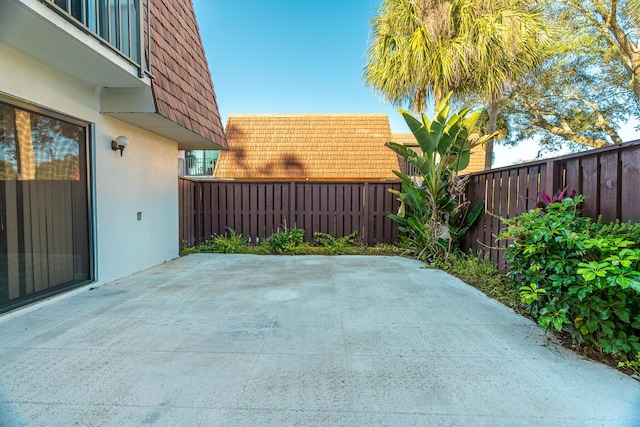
column 196, row 167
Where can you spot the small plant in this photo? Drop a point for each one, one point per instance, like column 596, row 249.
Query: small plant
column 286, row 241
column 234, row 243
column 336, row 246
column 632, row 365
column 545, row 200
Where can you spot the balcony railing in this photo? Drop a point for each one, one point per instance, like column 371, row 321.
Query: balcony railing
column 196, row 167
column 115, row 22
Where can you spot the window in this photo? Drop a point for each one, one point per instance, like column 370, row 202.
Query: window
column 44, row 204
column 37, row 147
column 115, row 21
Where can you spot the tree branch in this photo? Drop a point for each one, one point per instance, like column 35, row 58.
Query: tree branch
column 536, row 117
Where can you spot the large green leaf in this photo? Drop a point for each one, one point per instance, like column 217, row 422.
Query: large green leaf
column 471, row 119
column 462, row 158
column 436, row 131
column 450, row 137
column 420, row 132
column 475, row 213
column 404, row 178
column 401, row 150
column 443, row 108
column 423, row 165
column 444, row 145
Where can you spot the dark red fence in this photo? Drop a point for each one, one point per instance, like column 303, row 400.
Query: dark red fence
column 609, row 177
column 257, row 209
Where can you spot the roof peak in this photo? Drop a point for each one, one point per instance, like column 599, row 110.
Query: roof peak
column 310, row 115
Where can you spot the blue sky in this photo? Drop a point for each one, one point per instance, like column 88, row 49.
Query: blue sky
column 296, row 56
column 269, row 57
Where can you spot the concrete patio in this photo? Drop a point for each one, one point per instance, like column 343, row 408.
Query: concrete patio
column 245, row 340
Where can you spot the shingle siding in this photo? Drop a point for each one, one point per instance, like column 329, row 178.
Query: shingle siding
column 182, row 85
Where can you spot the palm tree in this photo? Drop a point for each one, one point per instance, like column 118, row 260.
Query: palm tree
column 426, row 48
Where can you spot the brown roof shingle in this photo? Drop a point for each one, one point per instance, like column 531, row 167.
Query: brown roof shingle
column 308, row 146
column 182, row 87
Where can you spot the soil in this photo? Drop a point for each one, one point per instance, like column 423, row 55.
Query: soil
column 591, row 352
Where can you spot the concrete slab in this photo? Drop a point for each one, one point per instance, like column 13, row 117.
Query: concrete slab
column 241, row 340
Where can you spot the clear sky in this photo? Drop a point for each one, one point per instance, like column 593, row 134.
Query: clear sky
column 298, row 56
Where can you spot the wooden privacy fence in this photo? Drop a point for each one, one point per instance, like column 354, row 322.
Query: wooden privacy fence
column 609, row 177
column 257, row 209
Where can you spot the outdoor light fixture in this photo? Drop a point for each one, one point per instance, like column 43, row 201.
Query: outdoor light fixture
column 120, row 143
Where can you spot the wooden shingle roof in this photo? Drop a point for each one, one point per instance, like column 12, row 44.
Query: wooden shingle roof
column 406, row 139
column 182, row 86
column 308, row 146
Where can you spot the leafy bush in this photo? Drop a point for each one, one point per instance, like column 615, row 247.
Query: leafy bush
column 287, row 240
column 336, row 246
column 577, row 274
column 234, row 243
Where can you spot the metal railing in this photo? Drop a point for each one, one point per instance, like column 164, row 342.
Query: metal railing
column 196, row 167
column 117, row 23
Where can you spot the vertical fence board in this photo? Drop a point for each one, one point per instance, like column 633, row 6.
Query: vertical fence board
column 471, row 194
column 590, row 186
column 572, row 176
column 493, row 220
column 505, row 193
column 608, row 186
column 479, row 237
column 523, row 189
column 207, row 208
column 512, row 203
column 365, row 213
column 630, row 185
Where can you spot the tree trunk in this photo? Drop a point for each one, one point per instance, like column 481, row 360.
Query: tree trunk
column 24, row 146
column 493, row 117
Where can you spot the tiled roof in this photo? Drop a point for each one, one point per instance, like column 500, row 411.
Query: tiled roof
column 476, row 163
column 308, row 146
column 406, row 139
column 182, row 87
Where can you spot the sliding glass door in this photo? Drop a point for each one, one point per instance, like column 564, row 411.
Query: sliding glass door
column 44, row 204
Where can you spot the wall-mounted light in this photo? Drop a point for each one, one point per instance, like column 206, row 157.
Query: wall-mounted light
column 120, row 143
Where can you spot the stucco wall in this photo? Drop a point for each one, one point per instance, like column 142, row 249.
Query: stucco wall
column 143, row 180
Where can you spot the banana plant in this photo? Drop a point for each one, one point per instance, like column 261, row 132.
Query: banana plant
column 433, row 210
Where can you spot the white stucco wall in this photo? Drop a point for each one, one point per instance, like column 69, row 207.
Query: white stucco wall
column 143, row 180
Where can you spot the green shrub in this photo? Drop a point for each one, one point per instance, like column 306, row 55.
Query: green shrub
column 577, row 274
column 234, row 243
column 631, row 364
column 336, row 246
column 286, row 241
